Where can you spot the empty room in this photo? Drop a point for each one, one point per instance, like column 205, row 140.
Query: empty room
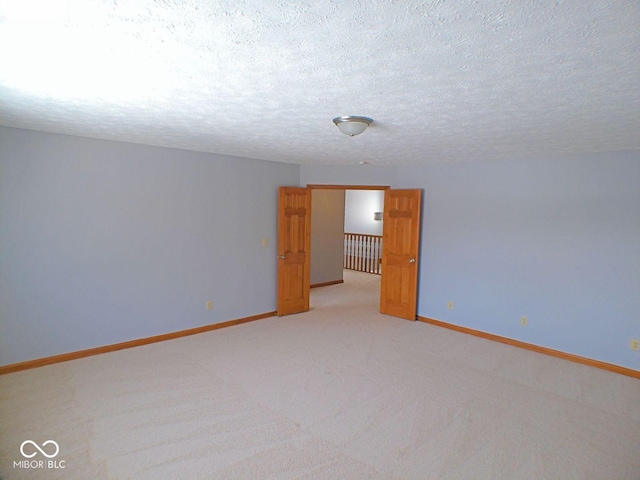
column 187, row 291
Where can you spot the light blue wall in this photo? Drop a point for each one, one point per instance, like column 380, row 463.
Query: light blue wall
column 556, row 240
column 103, row 242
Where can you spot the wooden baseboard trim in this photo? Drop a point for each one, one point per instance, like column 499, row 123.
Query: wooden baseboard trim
column 325, row 284
column 535, row 348
column 65, row 357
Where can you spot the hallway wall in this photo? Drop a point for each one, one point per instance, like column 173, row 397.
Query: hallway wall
column 327, row 235
column 360, row 205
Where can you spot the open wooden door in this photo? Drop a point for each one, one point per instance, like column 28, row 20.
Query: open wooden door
column 294, row 252
column 400, row 245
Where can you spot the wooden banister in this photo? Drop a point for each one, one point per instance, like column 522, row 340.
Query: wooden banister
column 362, row 252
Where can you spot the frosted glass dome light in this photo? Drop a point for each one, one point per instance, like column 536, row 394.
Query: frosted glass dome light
column 352, row 125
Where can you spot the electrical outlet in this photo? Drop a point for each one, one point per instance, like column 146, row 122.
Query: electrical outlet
column 450, row 305
column 635, row 345
column 524, row 321
column 209, row 305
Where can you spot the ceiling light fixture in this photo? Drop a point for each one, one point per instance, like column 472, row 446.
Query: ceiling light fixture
column 352, row 125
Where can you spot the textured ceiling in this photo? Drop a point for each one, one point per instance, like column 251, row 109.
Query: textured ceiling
column 444, row 80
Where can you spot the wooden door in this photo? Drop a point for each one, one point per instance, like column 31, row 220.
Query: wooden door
column 400, row 246
column 294, row 252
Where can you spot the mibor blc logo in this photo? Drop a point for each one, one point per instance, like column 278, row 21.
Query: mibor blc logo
column 30, row 449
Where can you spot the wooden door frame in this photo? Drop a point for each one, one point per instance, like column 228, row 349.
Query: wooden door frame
column 315, row 186
column 369, row 187
column 401, row 260
column 347, row 187
column 287, row 305
column 311, row 187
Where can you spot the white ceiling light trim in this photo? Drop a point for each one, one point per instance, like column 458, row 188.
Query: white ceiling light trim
column 352, row 125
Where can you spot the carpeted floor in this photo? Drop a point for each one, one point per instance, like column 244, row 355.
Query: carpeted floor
column 340, row 392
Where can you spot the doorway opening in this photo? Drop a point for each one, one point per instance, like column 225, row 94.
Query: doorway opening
column 400, row 260
column 346, row 240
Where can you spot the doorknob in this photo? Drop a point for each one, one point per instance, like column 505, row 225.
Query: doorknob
column 282, row 257
column 412, row 260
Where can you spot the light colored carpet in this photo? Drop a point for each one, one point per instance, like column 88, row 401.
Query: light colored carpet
column 340, row 392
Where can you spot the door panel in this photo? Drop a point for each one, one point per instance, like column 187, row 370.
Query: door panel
column 294, row 252
column 400, row 248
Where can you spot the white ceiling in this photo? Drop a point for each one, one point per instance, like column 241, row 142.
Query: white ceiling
column 444, row 80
